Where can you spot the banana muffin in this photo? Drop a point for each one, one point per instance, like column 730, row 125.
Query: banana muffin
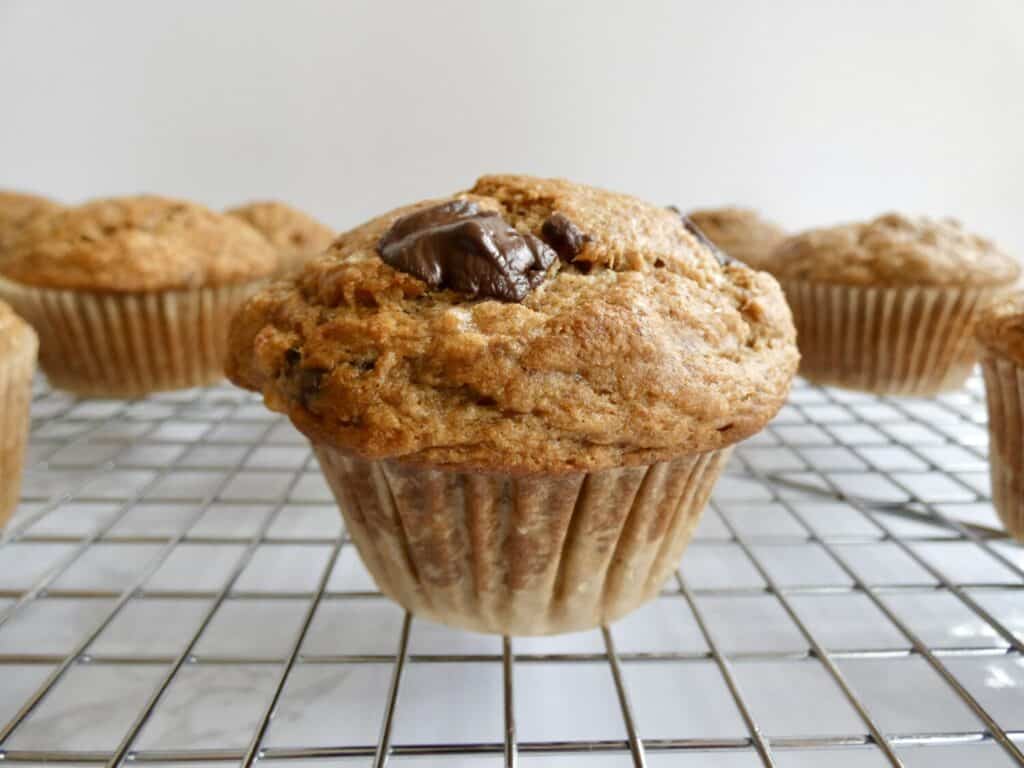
column 521, row 395
column 889, row 305
column 1000, row 333
column 741, row 232
column 295, row 235
column 18, row 210
column 18, row 346
column 135, row 294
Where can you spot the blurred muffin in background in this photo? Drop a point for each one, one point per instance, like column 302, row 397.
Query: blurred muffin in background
column 18, row 210
column 18, row 347
column 1000, row 332
column 889, row 305
column 295, row 235
column 131, row 295
column 741, row 232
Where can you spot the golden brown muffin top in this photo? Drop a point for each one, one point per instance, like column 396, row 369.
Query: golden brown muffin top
column 1000, row 329
column 15, row 334
column 635, row 346
column 893, row 250
column 741, row 232
column 17, row 210
column 288, row 229
column 144, row 243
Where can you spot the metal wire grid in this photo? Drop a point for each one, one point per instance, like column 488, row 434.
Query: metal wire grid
column 846, row 500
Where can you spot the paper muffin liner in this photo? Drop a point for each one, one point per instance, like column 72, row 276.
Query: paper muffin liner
column 127, row 345
column 526, row 555
column 1004, row 393
column 896, row 341
column 16, row 372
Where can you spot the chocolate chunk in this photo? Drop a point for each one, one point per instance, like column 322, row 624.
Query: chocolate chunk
column 564, row 236
column 723, row 258
column 457, row 246
column 309, row 382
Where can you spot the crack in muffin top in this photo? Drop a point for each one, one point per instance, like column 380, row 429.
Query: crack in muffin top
column 138, row 244
column 636, row 345
column 893, row 250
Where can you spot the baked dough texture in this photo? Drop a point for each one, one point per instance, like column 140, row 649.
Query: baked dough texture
column 894, row 250
column 741, row 232
column 136, row 245
column 17, row 210
column 641, row 349
column 294, row 235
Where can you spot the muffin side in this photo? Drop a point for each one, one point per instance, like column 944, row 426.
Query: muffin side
column 1000, row 333
column 18, row 347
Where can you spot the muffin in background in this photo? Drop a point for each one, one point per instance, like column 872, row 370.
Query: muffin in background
column 521, row 395
column 741, row 232
column 296, row 236
column 19, row 210
column 889, row 305
column 1000, row 333
column 133, row 295
column 18, row 347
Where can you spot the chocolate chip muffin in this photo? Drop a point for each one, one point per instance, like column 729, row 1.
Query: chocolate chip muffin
column 18, row 346
column 1000, row 333
column 18, row 210
column 889, row 305
column 521, row 395
column 294, row 235
column 741, row 232
column 133, row 295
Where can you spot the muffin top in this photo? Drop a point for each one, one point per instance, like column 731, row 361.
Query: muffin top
column 525, row 326
column 741, row 232
column 17, row 210
column 289, row 230
column 893, row 250
column 1000, row 329
column 136, row 244
column 15, row 334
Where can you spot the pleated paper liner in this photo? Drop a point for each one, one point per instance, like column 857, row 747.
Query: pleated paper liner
column 129, row 344
column 1004, row 392
column 16, row 371
column 529, row 555
column 898, row 341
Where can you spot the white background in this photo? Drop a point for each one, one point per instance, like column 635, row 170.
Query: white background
column 812, row 111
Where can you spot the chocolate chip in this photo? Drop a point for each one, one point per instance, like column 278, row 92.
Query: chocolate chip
column 457, row 246
column 723, row 258
column 564, row 236
column 292, row 356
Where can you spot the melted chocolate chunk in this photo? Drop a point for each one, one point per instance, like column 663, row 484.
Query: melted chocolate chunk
column 564, row 236
column 457, row 246
column 723, row 258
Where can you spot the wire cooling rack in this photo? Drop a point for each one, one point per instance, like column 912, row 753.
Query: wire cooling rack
column 176, row 587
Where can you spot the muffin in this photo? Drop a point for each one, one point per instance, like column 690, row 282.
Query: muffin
column 889, row 305
column 1000, row 333
column 521, row 395
column 18, row 210
column 133, row 295
column 741, row 232
column 18, row 346
column 294, row 235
